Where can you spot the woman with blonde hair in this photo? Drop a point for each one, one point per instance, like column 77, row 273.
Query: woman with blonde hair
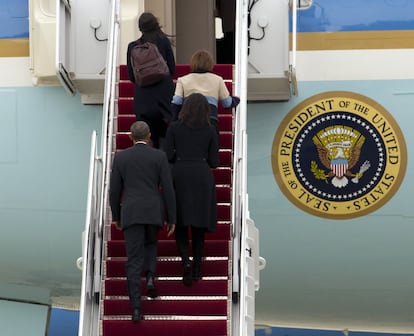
column 202, row 80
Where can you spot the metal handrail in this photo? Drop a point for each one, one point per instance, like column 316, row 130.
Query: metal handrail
column 239, row 183
column 294, row 28
column 85, row 262
column 239, row 78
column 109, row 106
column 292, row 65
column 107, row 135
column 107, row 126
column 91, row 262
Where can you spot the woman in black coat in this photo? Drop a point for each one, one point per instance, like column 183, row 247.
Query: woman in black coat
column 152, row 104
column 192, row 147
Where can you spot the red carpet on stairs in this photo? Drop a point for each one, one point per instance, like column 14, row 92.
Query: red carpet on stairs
column 202, row 309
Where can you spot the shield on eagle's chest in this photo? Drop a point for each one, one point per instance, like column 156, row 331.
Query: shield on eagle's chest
column 339, row 167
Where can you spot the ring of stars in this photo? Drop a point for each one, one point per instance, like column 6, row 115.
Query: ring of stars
column 307, row 131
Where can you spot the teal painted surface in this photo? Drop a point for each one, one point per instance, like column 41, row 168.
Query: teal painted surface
column 65, row 323
column 318, row 332
column 22, row 319
column 43, row 192
column 341, row 271
column 8, row 126
column 21, row 293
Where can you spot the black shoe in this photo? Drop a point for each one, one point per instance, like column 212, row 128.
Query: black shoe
column 187, row 279
column 196, row 273
column 136, row 315
column 151, row 289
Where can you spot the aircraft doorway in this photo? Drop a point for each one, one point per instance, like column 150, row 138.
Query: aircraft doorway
column 192, row 25
column 195, row 29
column 225, row 47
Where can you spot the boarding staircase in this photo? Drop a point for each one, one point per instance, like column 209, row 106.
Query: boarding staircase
column 222, row 302
column 179, row 310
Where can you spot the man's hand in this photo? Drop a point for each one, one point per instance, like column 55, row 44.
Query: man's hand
column 170, row 229
column 117, row 224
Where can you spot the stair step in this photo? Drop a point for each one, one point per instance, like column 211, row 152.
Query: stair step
column 126, row 106
column 222, row 175
column 123, row 141
column 222, row 233
column 223, row 194
column 207, row 327
column 193, row 307
column 124, row 122
column 203, row 287
column 116, row 268
column 168, row 248
column 223, row 70
column 126, row 88
column 225, row 158
column 223, row 212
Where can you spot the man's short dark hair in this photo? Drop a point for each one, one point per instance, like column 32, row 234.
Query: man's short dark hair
column 139, row 130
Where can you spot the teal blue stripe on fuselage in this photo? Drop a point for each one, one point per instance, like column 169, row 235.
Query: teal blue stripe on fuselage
column 340, row 16
column 14, row 19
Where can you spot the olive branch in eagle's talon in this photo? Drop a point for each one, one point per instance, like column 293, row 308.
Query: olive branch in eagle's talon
column 318, row 173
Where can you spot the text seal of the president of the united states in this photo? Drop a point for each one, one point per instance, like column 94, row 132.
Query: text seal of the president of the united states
column 339, row 155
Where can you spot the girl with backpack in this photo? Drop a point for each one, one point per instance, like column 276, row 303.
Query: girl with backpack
column 152, row 103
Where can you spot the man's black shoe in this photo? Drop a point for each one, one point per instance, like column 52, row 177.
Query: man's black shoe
column 151, row 289
column 136, row 315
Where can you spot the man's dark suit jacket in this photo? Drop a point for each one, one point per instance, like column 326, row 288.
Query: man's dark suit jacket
column 137, row 175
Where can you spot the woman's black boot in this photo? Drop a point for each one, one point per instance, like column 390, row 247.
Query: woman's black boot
column 187, row 279
column 196, row 273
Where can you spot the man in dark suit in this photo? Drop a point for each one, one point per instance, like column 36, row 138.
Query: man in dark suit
column 137, row 207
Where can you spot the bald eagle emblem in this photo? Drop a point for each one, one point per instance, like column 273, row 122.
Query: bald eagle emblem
column 339, row 149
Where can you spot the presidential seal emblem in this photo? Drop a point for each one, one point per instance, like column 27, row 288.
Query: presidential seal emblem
column 339, row 155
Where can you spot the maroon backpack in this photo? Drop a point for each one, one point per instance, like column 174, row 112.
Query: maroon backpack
column 148, row 64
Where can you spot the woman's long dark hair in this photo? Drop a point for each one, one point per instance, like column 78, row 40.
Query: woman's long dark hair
column 195, row 112
column 150, row 28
